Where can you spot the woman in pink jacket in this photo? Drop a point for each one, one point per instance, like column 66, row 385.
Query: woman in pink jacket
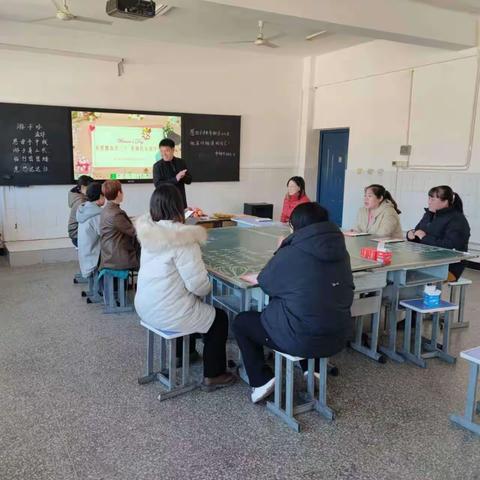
column 295, row 196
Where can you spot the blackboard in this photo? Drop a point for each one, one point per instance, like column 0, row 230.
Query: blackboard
column 35, row 145
column 211, row 147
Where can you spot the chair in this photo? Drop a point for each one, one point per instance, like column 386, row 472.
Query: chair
column 467, row 420
column 168, row 369
column 433, row 348
column 115, row 299
column 287, row 413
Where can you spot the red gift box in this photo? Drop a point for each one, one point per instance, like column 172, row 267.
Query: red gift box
column 369, row 252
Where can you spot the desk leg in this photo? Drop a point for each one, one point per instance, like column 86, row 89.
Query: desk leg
column 246, row 299
column 374, row 338
column 357, row 344
column 209, row 296
column 358, row 330
column 370, row 350
column 261, row 301
column 391, row 349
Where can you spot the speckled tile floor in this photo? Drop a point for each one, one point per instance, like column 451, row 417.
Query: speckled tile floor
column 71, row 408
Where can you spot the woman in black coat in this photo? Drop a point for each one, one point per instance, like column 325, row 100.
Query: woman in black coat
column 310, row 285
column 443, row 225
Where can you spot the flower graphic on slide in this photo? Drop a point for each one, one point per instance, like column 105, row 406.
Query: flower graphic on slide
column 83, row 165
column 146, row 133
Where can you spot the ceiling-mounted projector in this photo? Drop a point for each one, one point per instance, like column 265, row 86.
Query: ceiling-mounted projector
column 131, row 9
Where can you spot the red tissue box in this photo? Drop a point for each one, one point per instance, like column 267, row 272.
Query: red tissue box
column 369, row 252
column 384, row 257
column 376, row 255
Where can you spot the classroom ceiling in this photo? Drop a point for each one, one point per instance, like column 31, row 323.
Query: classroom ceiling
column 218, row 23
column 190, row 22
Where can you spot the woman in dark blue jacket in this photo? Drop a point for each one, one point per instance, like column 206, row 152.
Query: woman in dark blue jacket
column 310, row 285
column 443, row 225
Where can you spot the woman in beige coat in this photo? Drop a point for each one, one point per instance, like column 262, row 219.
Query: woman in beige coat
column 380, row 214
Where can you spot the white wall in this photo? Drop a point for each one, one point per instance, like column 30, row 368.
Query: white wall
column 391, row 94
column 265, row 90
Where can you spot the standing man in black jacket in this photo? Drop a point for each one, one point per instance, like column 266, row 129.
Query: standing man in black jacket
column 171, row 169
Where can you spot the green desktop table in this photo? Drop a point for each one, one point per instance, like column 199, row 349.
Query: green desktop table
column 232, row 252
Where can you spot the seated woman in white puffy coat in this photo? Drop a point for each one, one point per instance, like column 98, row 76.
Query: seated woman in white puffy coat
column 173, row 278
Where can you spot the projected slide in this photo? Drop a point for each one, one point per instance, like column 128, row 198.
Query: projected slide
column 120, row 146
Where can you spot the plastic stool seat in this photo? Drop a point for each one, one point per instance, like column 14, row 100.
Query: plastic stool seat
column 168, row 359
column 429, row 345
column 166, row 334
column 417, row 305
column 289, row 357
column 284, row 408
column 471, row 355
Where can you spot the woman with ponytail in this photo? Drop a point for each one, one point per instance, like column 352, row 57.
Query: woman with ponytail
column 380, row 214
column 443, row 225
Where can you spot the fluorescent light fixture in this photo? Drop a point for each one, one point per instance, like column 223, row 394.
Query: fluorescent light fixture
column 313, row 36
column 162, row 9
column 66, row 53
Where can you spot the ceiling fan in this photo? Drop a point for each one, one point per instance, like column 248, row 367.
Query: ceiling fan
column 63, row 13
column 260, row 41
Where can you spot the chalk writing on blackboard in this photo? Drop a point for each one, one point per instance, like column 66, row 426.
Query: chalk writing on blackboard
column 211, row 147
column 30, row 149
column 219, row 139
column 210, row 133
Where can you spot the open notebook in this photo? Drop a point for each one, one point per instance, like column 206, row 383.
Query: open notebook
column 387, row 239
column 350, row 233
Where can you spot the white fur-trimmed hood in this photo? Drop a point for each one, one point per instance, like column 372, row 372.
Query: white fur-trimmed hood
column 155, row 236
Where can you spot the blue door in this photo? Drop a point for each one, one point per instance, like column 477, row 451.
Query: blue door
column 332, row 163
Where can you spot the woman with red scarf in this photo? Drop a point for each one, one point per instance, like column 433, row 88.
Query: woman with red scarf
column 295, row 196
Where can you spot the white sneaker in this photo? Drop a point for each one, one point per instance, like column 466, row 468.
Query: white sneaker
column 259, row 393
